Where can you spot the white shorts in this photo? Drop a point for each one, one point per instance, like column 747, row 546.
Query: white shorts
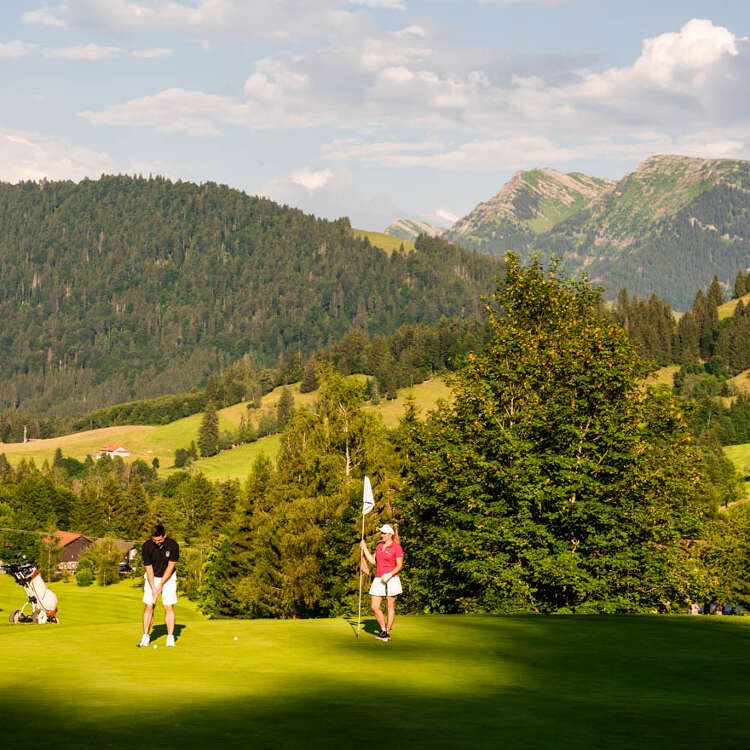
column 393, row 588
column 168, row 593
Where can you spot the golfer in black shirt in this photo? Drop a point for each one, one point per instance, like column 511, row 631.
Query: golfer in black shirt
column 160, row 556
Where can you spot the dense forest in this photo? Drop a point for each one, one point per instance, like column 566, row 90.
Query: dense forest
column 128, row 288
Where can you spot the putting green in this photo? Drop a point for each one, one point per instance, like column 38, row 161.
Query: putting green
column 442, row 682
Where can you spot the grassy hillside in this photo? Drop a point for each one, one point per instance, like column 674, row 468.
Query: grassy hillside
column 386, row 242
column 161, row 442
column 727, row 309
column 462, row 683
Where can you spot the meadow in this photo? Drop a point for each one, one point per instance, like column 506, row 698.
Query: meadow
column 386, row 242
column 149, row 442
column 442, row 682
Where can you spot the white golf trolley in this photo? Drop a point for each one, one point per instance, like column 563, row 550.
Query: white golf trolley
column 40, row 600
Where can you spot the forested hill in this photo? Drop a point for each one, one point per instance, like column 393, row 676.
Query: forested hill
column 126, row 288
column 667, row 228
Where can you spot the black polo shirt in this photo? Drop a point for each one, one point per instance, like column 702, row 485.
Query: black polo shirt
column 160, row 556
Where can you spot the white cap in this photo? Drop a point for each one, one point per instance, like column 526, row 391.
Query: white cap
column 387, row 529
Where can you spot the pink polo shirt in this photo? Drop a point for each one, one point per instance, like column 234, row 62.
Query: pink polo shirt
column 386, row 558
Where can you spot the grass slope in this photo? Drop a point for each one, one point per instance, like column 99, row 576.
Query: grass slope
column 161, row 442
column 442, row 682
column 386, row 242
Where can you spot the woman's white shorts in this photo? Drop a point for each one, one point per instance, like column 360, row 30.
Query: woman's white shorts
column 168, row 593
column 392, row 588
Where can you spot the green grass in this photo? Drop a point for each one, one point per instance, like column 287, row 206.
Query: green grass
column 386, row 242
column 442, row 682
column 727, row 309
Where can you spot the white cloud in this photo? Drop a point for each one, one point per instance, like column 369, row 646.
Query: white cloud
column 685, row 90
column 445, row 217
column 32, row 156
column 15, row 48
column 311, row 180
column 47, row 16
column 79, row 52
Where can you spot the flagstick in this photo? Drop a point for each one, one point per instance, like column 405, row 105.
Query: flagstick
column 361, row 555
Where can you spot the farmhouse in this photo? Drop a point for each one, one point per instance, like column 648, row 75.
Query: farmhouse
column 73, row 547
column 113, row 450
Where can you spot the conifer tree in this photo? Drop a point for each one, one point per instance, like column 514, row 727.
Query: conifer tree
column 309, row 379
column 284, row 408
column 715, row 293
column 208, row 434
column 740, row 285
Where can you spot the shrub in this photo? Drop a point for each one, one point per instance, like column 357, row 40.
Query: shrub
column 84, row 576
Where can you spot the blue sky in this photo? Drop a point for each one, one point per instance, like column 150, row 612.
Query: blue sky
column 373, row 109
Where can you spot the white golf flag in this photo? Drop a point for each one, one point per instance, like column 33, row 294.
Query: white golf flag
column 368, row 501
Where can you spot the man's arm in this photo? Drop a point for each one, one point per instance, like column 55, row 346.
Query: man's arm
column 150, row 579
column 168, row 572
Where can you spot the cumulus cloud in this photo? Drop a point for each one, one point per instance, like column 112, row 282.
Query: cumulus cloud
column 311, row 180
column 333, row 194
column 686, row 87
column 33, row 156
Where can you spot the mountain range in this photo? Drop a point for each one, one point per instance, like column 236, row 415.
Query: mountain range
column 667, row 228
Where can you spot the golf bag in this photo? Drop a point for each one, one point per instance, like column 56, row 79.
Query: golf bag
column 42, row 601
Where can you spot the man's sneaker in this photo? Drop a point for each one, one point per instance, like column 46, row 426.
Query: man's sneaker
column 170, row 640
column 145, row 641
column 383, row 636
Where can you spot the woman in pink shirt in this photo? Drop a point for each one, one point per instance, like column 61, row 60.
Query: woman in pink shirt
column 388, row 561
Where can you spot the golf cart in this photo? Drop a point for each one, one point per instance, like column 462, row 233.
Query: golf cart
column 41, row 601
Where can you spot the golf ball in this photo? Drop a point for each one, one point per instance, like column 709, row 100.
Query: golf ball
column 154, row 645
column 235, row 638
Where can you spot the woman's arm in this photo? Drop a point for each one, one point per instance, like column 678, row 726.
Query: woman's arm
column 399, row 564
column 370, row 558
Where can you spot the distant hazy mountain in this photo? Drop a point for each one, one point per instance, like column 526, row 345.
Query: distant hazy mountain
column 406, row 229
column 667, row 228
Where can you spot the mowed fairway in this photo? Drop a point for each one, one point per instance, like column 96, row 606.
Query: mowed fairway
column 446, row 682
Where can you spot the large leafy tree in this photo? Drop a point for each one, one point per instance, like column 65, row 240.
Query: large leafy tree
column 554, row 481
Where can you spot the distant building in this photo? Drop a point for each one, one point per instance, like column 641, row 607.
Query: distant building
column 113, row 450
column 73, row 548
column 128, row 550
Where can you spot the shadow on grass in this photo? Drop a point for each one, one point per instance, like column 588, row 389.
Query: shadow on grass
column 485, row 683
column 160, row 631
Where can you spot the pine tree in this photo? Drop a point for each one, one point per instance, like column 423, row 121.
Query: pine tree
column 309, row 379
column 208, row 434
column 740, row 285
column 224, row 504
column 715, row 293
column 284, row 408
column 135, row 520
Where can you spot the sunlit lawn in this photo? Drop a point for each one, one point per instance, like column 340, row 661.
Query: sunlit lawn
column 442, row 682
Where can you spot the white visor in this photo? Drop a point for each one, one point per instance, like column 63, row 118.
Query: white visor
column 387, row 529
